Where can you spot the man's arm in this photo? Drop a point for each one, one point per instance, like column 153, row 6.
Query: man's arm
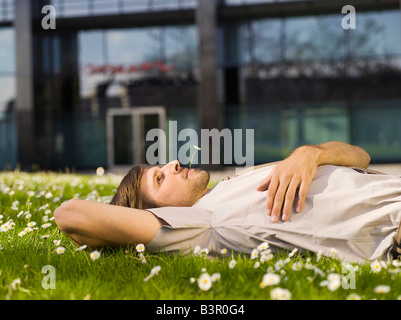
column 97, row 224
column 297, row 171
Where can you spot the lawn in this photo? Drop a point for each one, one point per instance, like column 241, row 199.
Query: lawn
column 37, row 261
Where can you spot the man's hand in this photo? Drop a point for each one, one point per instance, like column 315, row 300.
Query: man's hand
column 295, row 173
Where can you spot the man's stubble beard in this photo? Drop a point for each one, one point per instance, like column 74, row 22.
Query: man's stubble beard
column 199, row 187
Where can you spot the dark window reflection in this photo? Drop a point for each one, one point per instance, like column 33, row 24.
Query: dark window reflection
column 306, row 80
column 8, row 141
column 139, row 67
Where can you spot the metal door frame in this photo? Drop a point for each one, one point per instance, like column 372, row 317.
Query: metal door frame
column 137, row 131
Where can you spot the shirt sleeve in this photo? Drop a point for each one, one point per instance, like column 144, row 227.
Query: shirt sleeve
column 183, row 228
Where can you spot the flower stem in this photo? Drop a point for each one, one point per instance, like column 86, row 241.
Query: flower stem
column 190, row 163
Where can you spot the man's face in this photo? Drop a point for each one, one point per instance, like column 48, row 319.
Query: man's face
column 174, row 186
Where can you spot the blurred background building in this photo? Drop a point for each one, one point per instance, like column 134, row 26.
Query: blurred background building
column 284, row 68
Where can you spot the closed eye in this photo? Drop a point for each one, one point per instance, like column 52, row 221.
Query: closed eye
column 158, row 177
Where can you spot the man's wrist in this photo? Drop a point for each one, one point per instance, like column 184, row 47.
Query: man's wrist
column 314, row 153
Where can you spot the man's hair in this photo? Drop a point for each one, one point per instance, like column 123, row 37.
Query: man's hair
column 128, row 192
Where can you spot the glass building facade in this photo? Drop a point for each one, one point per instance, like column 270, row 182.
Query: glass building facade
column 294, row 77
column 305, row 80
column 7, row 95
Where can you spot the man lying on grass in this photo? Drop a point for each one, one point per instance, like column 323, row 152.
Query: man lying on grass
column 314, row 200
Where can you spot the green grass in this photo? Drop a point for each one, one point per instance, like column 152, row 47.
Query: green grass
column 120, row 273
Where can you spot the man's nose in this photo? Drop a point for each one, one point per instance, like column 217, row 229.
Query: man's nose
column 173, row 167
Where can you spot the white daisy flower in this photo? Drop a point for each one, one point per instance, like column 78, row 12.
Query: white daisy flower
column 309, row 266
column 95, row 255
column 323, row 283
column 7, row 226
column 297, row 266
column 232, row 264
column 333, row 252
column 46, row 225
column 60, row 250
column 254, row 254
column 197, row 250
column 318, row 271
column 223, row 251
column 353, row 296
column 278, row 265
column 333, row 285
column 395, row 263
column 155, row 271
column 375, row 266
column 382, row 289
column 280, row 294
column 270, row 279
column 205, row 282
column 266, row 255
column 394, row 271
column 83, row 247
column 22, row 233
column 28, row 229
column 43, row 207
column 142, row 257
column 291, row 254
column 100, row 171
column 56, row 242
column 31, row 224
column 319, row 255
column 334, row 281
column 140, row 247
column 216, row 277
column 263, row 246
column 16, row 283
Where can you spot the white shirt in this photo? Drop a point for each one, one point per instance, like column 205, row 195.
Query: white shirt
column 357, row 214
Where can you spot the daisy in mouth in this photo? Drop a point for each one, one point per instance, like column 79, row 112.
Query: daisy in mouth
column 187, row 172
column 192, row 158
